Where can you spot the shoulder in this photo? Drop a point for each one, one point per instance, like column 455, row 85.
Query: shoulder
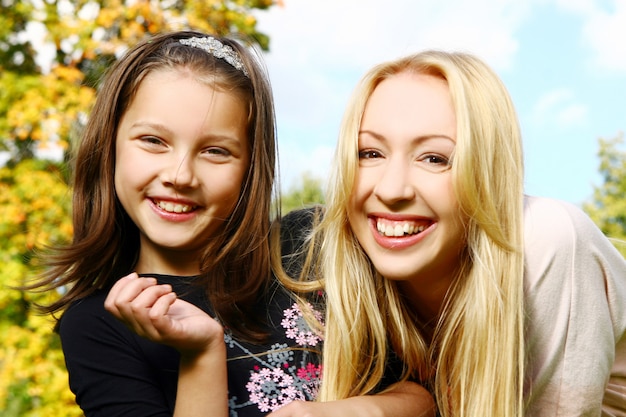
column 84, row 310
column 113, row 371
column 574, row 282
column 86, row 322
column 571, row 265
column 88, row 333
column 558, row 221
column 557, row 231
column 562, row 231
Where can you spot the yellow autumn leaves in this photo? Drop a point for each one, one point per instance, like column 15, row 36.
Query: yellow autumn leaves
column 47, row 88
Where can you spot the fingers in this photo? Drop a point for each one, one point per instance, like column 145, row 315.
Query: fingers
column 155, row 312
column 122, row 289
column 162, row 304
column 140, row 303
column 158, row 322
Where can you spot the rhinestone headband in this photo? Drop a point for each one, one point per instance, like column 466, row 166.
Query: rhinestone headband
column 218, row 50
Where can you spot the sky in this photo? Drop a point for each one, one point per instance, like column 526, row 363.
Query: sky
column 563, row 61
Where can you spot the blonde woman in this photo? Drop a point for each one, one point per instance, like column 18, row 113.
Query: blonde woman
column 501, row 304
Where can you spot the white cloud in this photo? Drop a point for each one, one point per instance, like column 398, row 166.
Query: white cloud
column 582, row 7
column 559, row 108
column 605, row 32
column 319, row 49
column 359, row 33
column 572, row 115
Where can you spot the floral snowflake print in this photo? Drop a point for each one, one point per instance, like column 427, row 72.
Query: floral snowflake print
column 310, row 377
column 297, row 328
column 311, row 372
column 282, row 370
column 280, row 355
column 270, row 389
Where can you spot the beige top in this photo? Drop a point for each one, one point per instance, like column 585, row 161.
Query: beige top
column 575, row 285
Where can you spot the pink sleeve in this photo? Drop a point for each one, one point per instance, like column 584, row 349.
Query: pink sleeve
column 575, row 290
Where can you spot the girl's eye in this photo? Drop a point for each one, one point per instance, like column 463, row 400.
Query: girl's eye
column 369, row 154
column 217, row 151
column 151, row 140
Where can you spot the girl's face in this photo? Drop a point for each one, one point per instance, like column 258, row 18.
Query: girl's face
column 181, row 157
column 403, row 209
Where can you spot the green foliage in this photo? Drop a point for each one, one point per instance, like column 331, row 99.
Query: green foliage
column 608, row 206
column 16, row 55
column 34, row 211
column 307, row 192
column 45, row 106
column 41, row 110
column 40, row 107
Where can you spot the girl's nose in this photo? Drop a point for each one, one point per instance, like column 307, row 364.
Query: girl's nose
column 394, row 185
column 180, row 172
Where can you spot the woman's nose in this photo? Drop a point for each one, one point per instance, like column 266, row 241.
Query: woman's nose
column 394, row 184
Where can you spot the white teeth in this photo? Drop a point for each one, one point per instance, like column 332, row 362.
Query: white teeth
column 174, row 208
column 399, row 229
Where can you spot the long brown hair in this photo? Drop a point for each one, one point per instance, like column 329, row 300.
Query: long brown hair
column 235, row 266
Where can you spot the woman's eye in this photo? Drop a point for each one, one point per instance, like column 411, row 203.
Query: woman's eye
column 435, row 162
column 436, row 159
column 369, row 154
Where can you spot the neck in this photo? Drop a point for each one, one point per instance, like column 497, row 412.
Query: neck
column 426, row 300
column 173, row 263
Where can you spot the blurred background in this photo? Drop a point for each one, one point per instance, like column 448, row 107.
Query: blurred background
column 564, row 63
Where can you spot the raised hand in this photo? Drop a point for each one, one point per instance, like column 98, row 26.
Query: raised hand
column 154, row 311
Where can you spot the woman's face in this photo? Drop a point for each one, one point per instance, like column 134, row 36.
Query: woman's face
column 403, row 208
column 181, row 157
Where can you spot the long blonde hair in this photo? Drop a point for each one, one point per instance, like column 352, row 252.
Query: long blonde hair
column 477, row 351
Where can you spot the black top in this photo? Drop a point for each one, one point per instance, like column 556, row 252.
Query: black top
column 115, row 372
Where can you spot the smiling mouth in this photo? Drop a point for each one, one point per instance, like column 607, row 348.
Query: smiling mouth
column 174, row 207
column 400, row 228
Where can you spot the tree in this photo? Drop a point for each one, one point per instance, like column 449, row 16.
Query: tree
column 307, row 192
column 45, row 104
column 34, row 210
column 16, row 53
column 41, row 106
column 608, row 206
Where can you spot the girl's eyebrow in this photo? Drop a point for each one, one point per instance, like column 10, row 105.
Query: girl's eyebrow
column 160, row 127
column 152, row 125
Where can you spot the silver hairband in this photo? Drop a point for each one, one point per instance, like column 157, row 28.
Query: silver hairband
column 218, row 50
